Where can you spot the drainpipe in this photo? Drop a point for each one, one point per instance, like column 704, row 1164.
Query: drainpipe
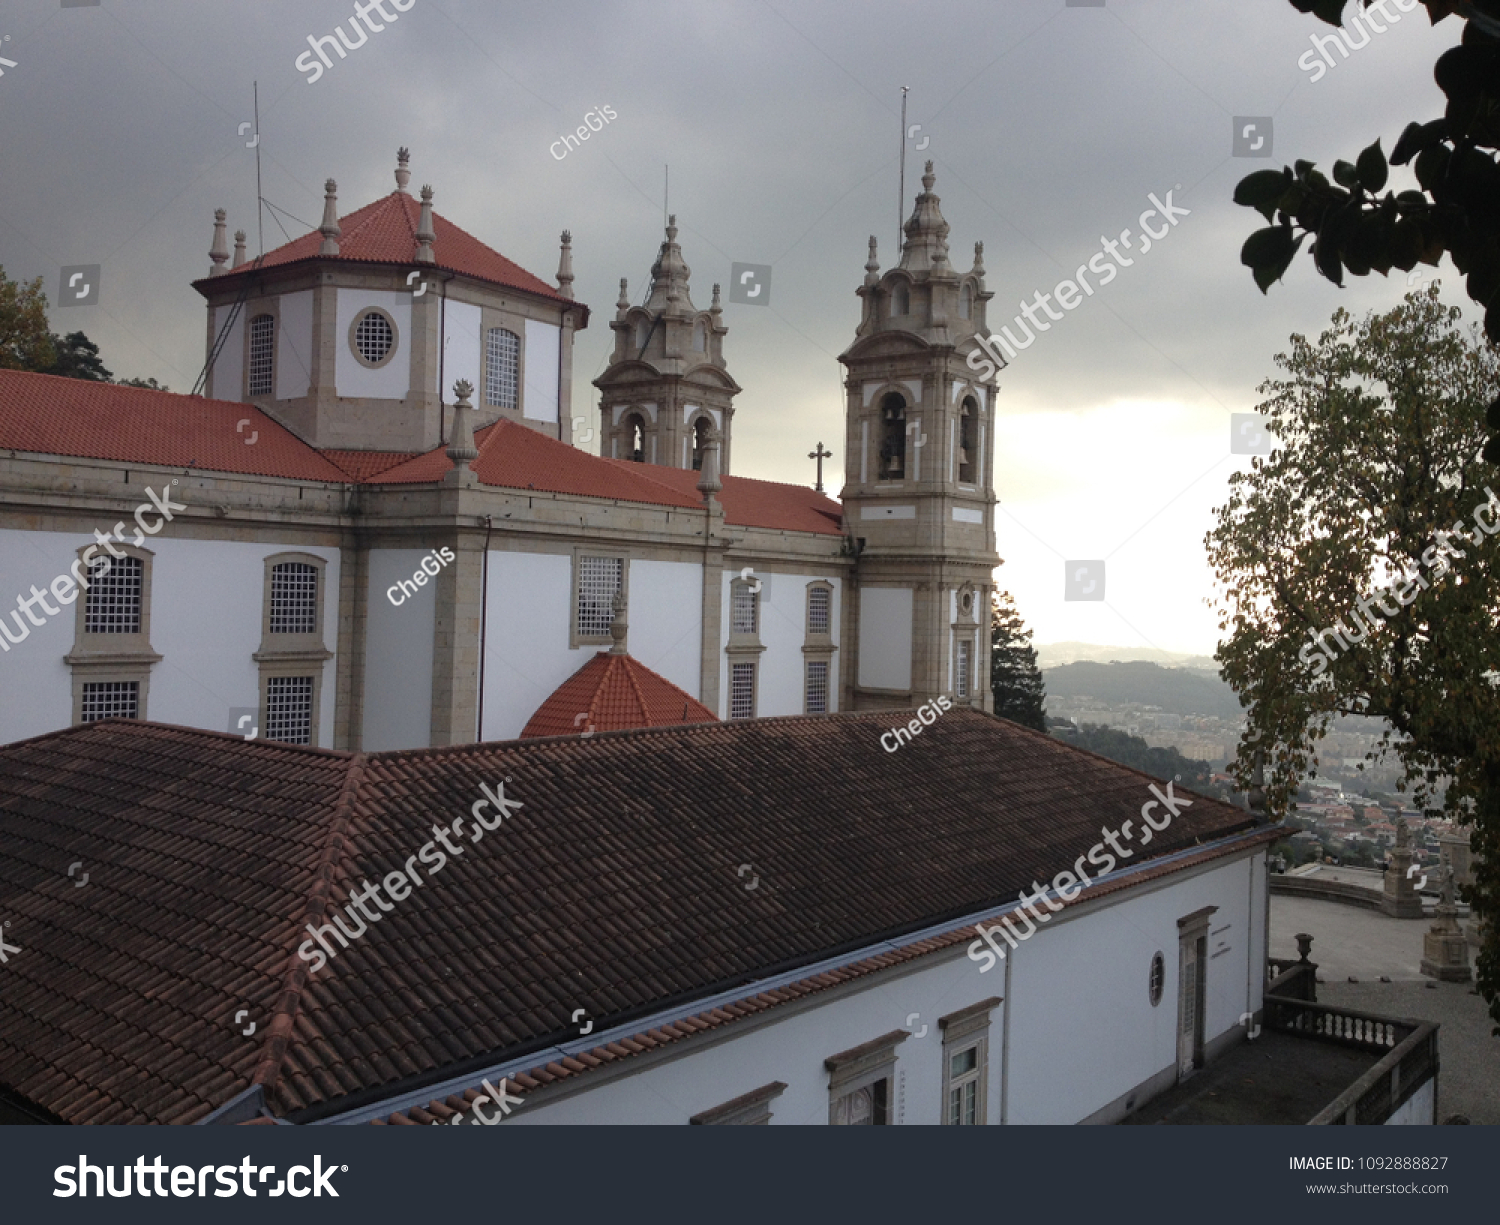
column 484, row 604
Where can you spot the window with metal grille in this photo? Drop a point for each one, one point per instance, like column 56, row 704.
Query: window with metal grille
column 262, row 354
column 294, row 598
column 744, row 613
column 742, row 691
column 819, row 600
column 817, row 686
column 289, row 709
column 599, row 581
column 374, row 337
column 113, row 602
column 963, row 683
column 502, row 368
column 111, row 700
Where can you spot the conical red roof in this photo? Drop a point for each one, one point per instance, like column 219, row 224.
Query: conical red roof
column 613, row 693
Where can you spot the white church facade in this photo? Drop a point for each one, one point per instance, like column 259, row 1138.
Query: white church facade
column 358, row 560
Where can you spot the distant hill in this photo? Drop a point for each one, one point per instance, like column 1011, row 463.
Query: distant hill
column 1055, row 654
column 1178, row 691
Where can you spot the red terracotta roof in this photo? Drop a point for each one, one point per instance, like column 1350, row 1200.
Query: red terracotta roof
column 48, row 415
column 614, row 889
column 384, row 232
column 362, row 465
column 613, row 693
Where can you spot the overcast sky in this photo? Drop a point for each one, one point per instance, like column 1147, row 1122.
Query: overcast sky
column 1049, row 126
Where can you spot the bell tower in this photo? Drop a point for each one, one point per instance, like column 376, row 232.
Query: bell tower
column 666, row 389
column 918, row 490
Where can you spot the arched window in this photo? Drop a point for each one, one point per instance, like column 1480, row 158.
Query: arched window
column 900, row 301
column 966, row 301
column 700, row 337
column 502, row 368
column 262, row 354
column 967, row 447
column 635, row 438
column 893, row 437
column 642, row 331
column 701, row 428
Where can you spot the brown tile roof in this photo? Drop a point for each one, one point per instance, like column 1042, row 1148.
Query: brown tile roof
column 385, row 232
column 615, row 889
column 613, row 693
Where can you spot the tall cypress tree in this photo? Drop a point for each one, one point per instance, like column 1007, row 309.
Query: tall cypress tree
column 1015, row 679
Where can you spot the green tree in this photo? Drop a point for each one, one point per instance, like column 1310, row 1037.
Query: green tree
column 1132, row 751
column 77, row 358
column 25, row 343
column 1015, row 679
column 150, row 383
column 1359, row 574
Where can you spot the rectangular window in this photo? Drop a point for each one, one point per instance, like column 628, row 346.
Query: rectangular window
column 963, row 1087
column 864, row 1107
column 502, row 368
column 818, row 601
column 110, row 700
column 744, row 610
column 817, row 687
column 294, row 598
column 599, row 581
column 113, row 602
column 289, row 709
column 963, row 684
column 262, row 348
column 742, row 691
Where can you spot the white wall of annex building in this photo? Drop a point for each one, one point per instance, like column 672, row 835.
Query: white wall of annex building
column 207, row 605
column 1082, row 1029
column 398, row 653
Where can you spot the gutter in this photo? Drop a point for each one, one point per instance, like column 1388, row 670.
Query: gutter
column 457, row 1085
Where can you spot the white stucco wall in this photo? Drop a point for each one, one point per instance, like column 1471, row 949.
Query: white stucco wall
column 229, row 367
column 398, row 654
column 666, row 620
column 391, row 381
column 294, row 345
column 783, row 632
column 462, row 340
column 885, row 629
column 543, row 344
column 207, row 601
column 1082, row 1030
column 526, row 648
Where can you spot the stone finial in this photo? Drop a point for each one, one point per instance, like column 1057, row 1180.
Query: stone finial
column 239, row 248
column 928, row 178
column 978, row 269
column 565, row 266
column 618, row 627
column 330, row 227
column 425, row 235
column 708, row 478
column 872, row 265
column 403, row 175
column 716, row 308
column 461, row 448
column 218, row 252
column 623, row 303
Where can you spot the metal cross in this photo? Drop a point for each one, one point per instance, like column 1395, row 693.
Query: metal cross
column 820, row 455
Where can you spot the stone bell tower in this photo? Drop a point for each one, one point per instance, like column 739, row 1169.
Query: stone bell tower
column 918, row 477
column 667, row 388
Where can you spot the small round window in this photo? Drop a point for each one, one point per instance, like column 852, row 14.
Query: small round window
column 373, row 337
column 966, row 602
column 1158, row 978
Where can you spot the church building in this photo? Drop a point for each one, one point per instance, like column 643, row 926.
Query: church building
column 381, row 527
